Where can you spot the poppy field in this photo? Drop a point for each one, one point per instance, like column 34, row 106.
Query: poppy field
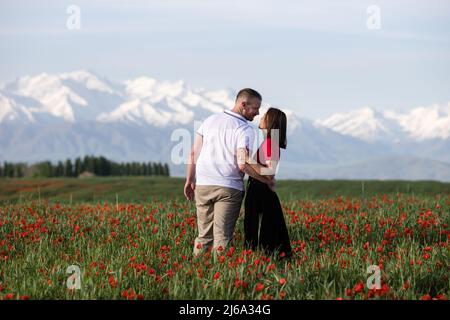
column 143, row 250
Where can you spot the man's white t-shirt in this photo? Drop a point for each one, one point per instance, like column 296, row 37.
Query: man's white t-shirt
column 223, row 134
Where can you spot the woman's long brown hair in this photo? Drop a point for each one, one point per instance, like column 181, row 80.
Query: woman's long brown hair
column 276, row 119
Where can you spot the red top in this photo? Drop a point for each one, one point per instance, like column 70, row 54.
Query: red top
column 265, row 152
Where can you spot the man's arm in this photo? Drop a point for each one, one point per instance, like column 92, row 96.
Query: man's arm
column 189, row 186
column 268, row 170
column 242, row 157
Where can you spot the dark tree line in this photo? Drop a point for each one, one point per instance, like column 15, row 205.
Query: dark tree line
column 99, row 166
column 13, row 170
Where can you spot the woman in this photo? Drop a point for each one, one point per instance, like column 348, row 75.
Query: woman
column 261, row 201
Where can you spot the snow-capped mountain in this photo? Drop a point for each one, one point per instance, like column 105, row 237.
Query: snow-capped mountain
column 84, row 96
column 165, row 103
column 366, row 124
column 425, row 123
column 72, row 96
column 10, row 110
column 59, row 116
column 370, row 125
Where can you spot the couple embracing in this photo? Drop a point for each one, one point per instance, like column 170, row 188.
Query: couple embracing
column 223, row 152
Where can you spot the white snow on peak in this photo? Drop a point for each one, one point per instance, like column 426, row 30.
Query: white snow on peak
column 91, row 81
column 365, row 124
column 140, row 111
column 144, row 87
column 426, row 122
column 171, row 89
column 151, row 102
column 82, row 95
column 140, row 87
column 168, row 102
column 199, row 100
column 10, row 110
column 62, row 95
column 50, row 91
column 220, row 96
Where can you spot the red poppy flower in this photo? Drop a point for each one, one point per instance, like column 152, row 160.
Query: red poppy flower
column 8, row 296
column 406, row 285
column 113, row 282
column 359, row 287
column 231, row 251
column 270, row 267
column 259, row 287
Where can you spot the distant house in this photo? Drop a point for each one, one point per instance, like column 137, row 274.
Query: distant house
column 86, row 174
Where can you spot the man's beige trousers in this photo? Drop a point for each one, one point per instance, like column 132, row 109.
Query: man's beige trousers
column 217, row 212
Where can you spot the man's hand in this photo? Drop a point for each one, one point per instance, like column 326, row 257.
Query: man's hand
column 189, row 188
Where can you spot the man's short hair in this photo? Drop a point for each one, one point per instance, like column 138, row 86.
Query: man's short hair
column 248, row 93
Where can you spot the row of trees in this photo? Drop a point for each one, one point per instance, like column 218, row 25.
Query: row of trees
column 99, row 166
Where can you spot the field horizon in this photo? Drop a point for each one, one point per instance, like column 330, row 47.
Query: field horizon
column 142, row 189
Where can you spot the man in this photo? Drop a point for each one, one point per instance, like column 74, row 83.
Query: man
column 216, row 168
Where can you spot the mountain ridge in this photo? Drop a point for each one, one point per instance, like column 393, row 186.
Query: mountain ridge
column 54, row 116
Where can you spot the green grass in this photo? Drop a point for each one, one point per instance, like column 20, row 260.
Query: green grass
column 129, row 251
column 140, row 243
column 144, row 189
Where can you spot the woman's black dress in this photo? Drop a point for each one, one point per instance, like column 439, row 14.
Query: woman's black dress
column 264, row 223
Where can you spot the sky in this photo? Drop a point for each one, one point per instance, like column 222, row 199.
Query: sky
column 314, row 57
